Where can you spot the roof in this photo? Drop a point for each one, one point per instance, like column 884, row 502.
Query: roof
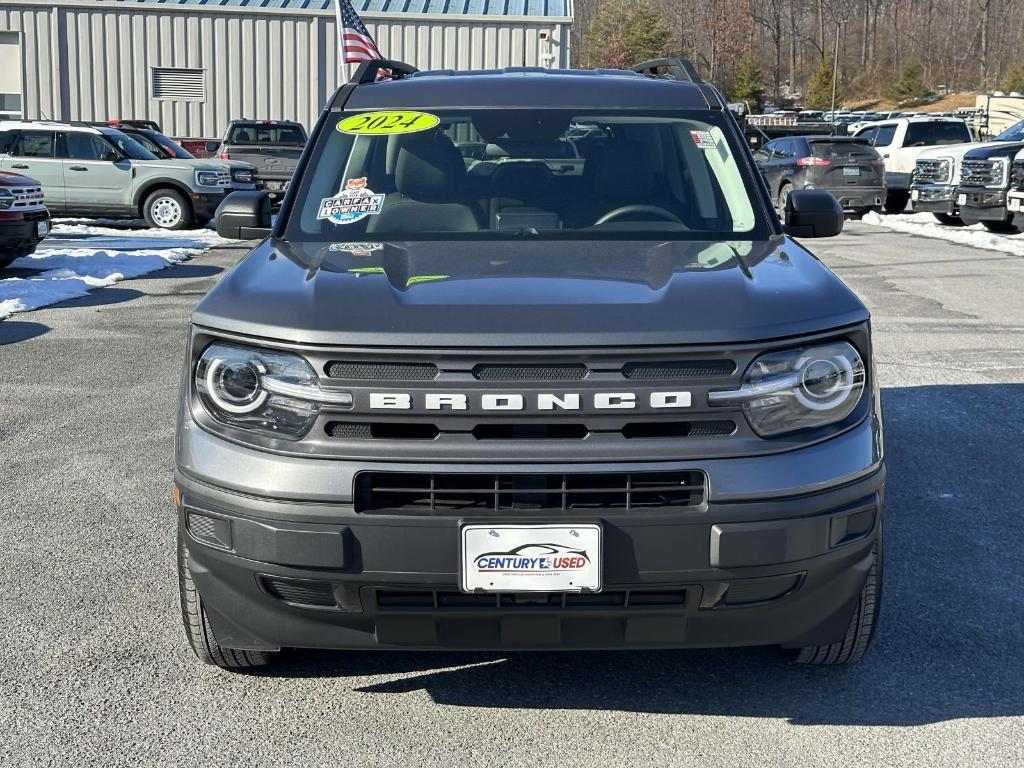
column 518, row 8
column 48, row 125
column 523, row 87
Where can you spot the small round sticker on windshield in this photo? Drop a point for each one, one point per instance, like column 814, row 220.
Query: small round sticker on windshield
column 387, row 123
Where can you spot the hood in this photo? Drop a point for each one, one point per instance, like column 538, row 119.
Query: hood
column 178, row 163
column 955, row 151
column 8, row 179
column 1008, row 149
column 521, row 293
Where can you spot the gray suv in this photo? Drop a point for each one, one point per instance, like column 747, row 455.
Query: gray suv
column 90, row 171
column 453, row 402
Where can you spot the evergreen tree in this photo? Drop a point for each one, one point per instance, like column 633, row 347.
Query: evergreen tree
column 819, row 91
column 909, row 88
column 619, row 37
column 1014, row 79
column 749, row 85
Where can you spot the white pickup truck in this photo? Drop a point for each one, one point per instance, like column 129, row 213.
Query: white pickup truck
column 901, row 141
column 1015, row 197
column 937, row 176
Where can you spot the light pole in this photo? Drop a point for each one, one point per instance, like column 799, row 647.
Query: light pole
column 835, row 69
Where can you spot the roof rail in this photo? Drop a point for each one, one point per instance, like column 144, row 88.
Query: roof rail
column 368, row 70
column 677, row 69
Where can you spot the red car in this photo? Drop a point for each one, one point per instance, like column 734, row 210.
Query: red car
column 24, row 220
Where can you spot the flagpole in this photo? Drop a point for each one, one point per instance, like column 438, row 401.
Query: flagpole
column 337, row 39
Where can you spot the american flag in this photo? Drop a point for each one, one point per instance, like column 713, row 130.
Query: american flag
column 355, row 43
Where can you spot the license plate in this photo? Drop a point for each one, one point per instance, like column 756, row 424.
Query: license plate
column 915, row 194
column 1014, row 204
column 851, row 171
column 961, row 200
column 42, row 228
column 531, row 558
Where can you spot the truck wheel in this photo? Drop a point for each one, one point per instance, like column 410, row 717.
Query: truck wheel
column 1002, row 227
column 167, row 209
column 949, row 221
column 862, row 625
column 896, row 202
column 197, row 628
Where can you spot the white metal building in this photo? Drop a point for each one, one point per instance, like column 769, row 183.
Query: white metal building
column 193, row 65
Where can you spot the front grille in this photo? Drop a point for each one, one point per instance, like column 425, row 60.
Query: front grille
column 688, row 370
column 381, row 372
column 529, row 430
column 423, row 493
column 982, row 173
column 530, row 372
column 382, row 430
column 1017, row 176
column 26, row 199
column 932, row 172
column 388, row 600
column 318, row 594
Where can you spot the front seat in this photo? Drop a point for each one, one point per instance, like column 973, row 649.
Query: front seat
column 432, row 189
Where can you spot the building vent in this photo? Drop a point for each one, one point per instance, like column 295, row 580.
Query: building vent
column 179, row 84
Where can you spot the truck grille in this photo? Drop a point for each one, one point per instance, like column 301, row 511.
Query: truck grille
column 426, row 493
column 26, row 199
column 982, row 173
column 1017, row 176
column 435, row 600
column 932, row 172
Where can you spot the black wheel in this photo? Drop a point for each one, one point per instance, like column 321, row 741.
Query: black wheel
column 1002, row 227
column 7, row 257
column 862, row 626
column 783, row 196
column 949, row 221
column 197, row 628
column 896, row 202
column 168, row 209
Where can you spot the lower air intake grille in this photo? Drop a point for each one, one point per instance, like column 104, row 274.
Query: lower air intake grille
column 388, row 600
column 301, row 591
column 381, row 371
column 402, row 493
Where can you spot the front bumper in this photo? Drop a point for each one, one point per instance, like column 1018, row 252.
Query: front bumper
column 934, row 198
column 853, row 198
column 782, row 564
column 21, row 230
column 980, row 204
column 205, row 204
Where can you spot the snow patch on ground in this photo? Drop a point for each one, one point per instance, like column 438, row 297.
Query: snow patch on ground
column 81, row 256
column 926, row 225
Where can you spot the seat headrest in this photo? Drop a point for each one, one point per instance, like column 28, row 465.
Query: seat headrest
column 430, row 168
column 620, row 170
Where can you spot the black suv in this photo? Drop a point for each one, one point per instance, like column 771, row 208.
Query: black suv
column 527, row 361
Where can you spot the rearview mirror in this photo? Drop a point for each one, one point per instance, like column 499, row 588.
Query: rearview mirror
column 244, row 216
column 812, row 213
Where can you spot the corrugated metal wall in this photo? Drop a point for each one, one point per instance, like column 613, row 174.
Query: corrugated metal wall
column 93, row 62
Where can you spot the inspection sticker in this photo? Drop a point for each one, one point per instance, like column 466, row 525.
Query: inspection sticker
column 385, row 123
column 354, row 203
column 703, row 139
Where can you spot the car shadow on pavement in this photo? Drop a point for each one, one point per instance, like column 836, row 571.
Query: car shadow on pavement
column 13, row 331
column 949, row 642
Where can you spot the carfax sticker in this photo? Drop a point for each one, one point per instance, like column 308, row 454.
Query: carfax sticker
column 385, row 123
column 703, row 139
column 354, row 203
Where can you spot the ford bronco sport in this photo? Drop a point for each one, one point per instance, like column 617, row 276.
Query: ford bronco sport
column 24, row 220
column 528, row 361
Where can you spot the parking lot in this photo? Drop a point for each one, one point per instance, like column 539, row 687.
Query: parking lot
column 96, row 670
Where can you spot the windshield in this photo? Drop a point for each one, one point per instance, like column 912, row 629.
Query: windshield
column 1014, row 133
column 129, row 147
column 168, row 147
column 926, row 134
column 476, row 174
column 261, row 133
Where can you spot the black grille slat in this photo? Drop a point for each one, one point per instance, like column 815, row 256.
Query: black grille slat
column 433, row 601
column 426, row 493
column 356, row 371
column 383, row 430
column 567, row 372
column 696, row 369
column 301, row 592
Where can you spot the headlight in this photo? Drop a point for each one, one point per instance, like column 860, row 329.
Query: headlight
column 6, row 198
column 798, row 389
column 272, row 393
column 242, row 176
column 208, row 178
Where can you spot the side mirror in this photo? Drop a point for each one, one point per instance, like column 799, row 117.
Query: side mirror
column 212, row 147
column 244, row 216
column 812, row 213
column 111, row 157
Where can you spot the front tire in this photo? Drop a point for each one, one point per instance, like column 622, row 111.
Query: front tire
column 859, row 634
column 1002, row 227
column 949, row 221
column 783, row 196
column 167, row 209
column 197, row 627
column 896, row 202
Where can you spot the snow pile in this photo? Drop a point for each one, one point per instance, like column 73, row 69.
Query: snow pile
column 81, row 256
column 926, row 225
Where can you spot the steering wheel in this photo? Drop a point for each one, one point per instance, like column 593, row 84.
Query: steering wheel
column 625, row 210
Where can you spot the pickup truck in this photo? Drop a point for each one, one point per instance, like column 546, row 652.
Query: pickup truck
column 985, row 184
column 273, row 146
column 901, row 141
column 1015, row 197
column 937, row 176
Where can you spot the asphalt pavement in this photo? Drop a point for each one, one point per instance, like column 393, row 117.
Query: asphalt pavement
column 94, row 669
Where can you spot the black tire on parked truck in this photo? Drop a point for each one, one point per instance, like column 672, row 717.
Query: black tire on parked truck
column 896, row 202
column 1002, row 227
column 862, row 626
column 197, row 627
column 168, row 209
column 7, row 257
column 949, row 221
